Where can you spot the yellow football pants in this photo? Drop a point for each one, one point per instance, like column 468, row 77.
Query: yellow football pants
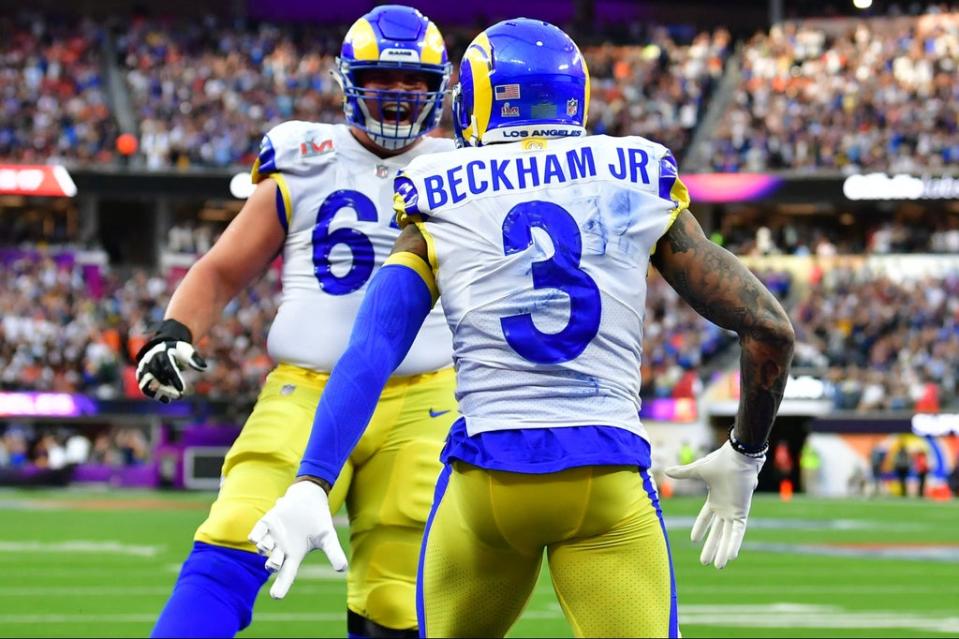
column 603, row 536
column 387, row 483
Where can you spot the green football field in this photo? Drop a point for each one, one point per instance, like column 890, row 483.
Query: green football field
column 88, row 564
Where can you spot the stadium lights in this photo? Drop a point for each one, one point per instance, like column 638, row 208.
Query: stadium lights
column 862, row 4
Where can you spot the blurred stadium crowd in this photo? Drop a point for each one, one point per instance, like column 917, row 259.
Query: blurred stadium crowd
column 52, row 97
column 838, row 96
column 205, row 92
column 24, row 446
column 881, row 344
column 887, row 345
column 61, row 332
column 878, row 94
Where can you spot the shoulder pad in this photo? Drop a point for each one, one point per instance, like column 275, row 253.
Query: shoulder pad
column 286, row 146
column 405, row 200
column 671, row 188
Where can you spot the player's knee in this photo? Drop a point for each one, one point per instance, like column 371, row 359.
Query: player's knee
column 387, row 596
column 214, row 593
column 229, row 524
column 392, row 605
column 383, row 582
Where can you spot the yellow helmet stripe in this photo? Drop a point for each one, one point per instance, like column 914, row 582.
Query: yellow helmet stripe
column 363, row 39
column 480, row 57
column 433, row 46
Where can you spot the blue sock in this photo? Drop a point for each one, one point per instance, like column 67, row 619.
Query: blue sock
column 214, row 594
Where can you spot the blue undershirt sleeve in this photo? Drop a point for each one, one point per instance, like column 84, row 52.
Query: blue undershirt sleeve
column 397, row 302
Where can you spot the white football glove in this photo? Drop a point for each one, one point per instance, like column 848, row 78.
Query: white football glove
column 299, row 523
column 731, row 478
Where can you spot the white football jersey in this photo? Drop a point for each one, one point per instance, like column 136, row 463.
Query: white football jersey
column 336, row 202
column 541, row 250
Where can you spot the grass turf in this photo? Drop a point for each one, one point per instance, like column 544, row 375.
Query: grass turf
column 82, row 563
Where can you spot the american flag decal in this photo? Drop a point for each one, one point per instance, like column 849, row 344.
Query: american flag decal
column 506, row 92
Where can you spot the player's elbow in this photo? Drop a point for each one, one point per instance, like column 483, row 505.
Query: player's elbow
column 775, row 330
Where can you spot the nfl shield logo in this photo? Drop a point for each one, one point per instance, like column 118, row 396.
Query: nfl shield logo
column 572, row 106
column 382, row 171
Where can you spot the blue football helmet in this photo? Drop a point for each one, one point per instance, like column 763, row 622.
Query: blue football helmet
column 394, row 37
column 520, row 78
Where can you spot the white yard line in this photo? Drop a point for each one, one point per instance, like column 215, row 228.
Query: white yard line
column 74, row 546
column 787, row 589
column 931, row 552
column 779, row 615
column 792, row 616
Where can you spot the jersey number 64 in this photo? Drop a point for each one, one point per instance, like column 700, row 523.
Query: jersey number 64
column 364, row 258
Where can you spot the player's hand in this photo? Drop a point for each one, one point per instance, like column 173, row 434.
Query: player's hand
column 299, row 523
column 161, row 359
column 731, row 478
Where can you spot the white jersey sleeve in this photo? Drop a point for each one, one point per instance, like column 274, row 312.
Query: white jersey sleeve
column 335, row 203
column 541, row 250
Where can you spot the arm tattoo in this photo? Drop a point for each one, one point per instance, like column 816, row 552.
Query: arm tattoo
column 721, row 289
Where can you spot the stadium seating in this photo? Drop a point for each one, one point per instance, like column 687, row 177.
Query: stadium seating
column 203, row 92
column 883, row 344
column 58, row 335
column 845, row 95
column 658, row 90
column 206, row 92
column 52, row 99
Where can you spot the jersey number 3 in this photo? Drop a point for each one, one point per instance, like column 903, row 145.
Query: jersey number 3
column 360, row 245
column 561, row 271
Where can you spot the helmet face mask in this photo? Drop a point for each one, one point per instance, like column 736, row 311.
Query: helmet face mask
column 402, row 40
column 518, row 79
column 463, row 118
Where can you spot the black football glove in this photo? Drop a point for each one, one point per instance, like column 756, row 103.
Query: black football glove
column 161, row 359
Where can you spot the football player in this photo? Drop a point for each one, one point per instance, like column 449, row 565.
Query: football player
column 324, row 198
column 537, row 238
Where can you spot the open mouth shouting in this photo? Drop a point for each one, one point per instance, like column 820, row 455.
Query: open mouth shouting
column 397, row 112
